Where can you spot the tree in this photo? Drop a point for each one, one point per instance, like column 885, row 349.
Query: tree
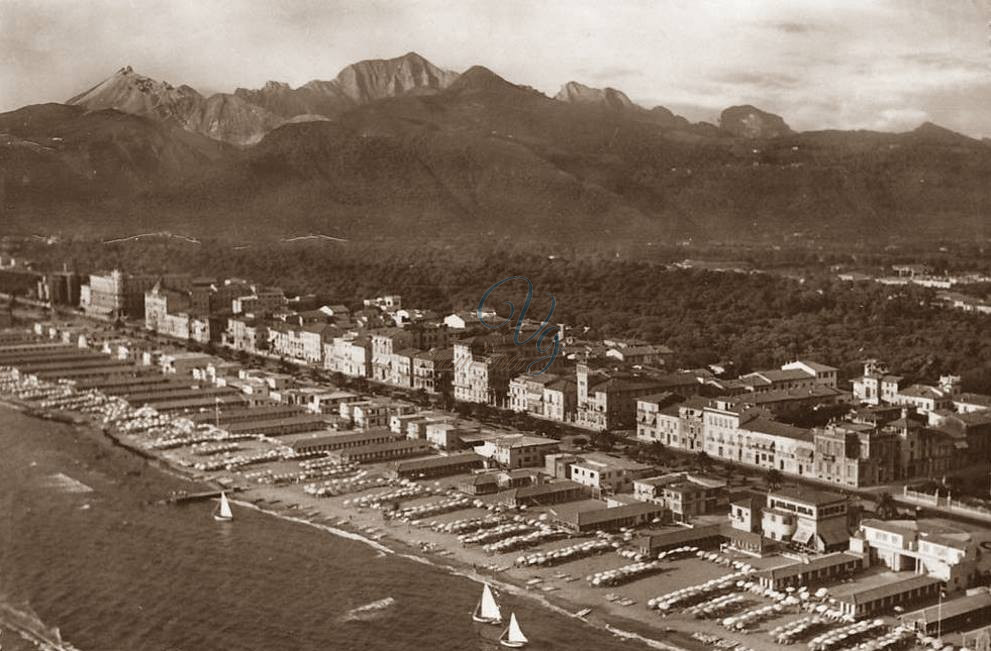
column 773, row 478
column 885, row 507
column 604, row 440
column 702, row 461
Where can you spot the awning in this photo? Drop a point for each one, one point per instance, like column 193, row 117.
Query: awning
column 803, row 535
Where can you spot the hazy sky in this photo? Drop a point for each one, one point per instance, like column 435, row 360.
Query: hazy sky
column 879, row 64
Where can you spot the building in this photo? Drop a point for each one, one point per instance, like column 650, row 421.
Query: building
column 613, row 518
column 750, row 436
column 555, row 492
column 745, row 512
column 855, row 454
column 685, row 494
column 868, row 601
column 431, row 467
column 611, row 403
column 824, row 569
column 607, row 475
column 876, row 386
column 807, row 519
column 122, row 295
column 517, row 450
column 433, row 370
column 310, row 443
column 951, row 615
column 923, row 451
column 379, row 452
column 350, row 355
column 484, row 366
column 911, row 546
column 824, row 375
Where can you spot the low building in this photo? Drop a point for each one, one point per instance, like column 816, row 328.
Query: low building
column 685, row 494
column 328, row 442
column 517, row 450
column 606, row 474
column 380, row 452
column 554, row 492
column 429, row 468
column 870, row 601
column 824, row 569
column 702, row 536
column 912, row 546
column 963, row 613
column 611, row 519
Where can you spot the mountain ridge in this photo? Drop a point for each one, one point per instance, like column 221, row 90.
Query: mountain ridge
column 471, row 153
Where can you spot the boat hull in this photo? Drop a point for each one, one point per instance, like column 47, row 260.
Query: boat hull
column 222, row 518
column 512, row 645
column 485, row 620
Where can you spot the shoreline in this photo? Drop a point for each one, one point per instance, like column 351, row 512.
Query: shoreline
column 258, row 499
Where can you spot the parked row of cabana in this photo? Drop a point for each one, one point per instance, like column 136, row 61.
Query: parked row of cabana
column 468, row 525
column 717, row 606
column 745, row 620
column 624, row 574
column 797, row 630
column 564, row 555
column 439, row 507
column 524, row 541
column 847, row 636
column 694, row 594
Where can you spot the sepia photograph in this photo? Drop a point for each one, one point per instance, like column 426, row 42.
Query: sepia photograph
column 565, row 325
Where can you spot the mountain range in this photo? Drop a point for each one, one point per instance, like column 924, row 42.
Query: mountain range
column 400, row 147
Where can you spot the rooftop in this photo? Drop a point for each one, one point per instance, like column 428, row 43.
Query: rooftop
column 807, row 495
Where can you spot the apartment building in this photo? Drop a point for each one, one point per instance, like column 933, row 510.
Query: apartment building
column 856, row 454
column 751, row 437
column 807, row 519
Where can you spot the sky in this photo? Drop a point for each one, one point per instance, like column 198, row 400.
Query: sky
column 849, row 64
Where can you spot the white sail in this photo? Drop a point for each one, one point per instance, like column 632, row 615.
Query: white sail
column 515, row 635
column 489, row 608
column 225, row 508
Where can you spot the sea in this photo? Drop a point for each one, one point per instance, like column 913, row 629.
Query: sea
column 90, row 561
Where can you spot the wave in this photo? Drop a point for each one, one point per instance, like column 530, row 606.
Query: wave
column 26, row 623
column 66, row 484
column 369, row 611
column 342, row 533
column 629, row 635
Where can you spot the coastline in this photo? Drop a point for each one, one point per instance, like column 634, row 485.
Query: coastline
column 291, row 506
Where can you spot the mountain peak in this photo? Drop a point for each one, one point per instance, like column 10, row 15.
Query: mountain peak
column 748, row 121
column 373, row 79
column 131, row 92
column 480, row 78
column 574, row 92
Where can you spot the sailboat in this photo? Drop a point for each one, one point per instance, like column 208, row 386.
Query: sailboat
column 513, row 637
column 487, row 610
column 223, row 512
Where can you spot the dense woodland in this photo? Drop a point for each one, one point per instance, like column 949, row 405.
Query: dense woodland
column 753, row 320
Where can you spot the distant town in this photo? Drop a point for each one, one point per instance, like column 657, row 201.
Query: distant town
column 843, row 509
